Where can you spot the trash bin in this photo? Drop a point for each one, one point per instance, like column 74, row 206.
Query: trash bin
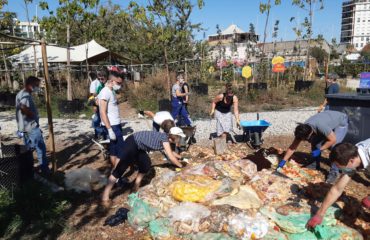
column 301, row 85
column 16, row 166
column 357, row 107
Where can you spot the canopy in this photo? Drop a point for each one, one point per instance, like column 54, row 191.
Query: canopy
column 90, row 50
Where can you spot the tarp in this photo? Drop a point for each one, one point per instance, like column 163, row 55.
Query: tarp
column 353, row 56
column 56, row 54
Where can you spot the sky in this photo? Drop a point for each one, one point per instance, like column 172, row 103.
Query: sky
column 240, row 12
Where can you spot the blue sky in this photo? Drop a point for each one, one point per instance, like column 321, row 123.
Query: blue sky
column 241, row 13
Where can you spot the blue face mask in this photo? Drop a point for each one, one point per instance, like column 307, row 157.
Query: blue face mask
column 348, row 171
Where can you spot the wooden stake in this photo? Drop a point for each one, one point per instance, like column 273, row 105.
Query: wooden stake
column 48, row 106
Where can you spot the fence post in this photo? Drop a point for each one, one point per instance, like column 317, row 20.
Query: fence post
column 48, row 100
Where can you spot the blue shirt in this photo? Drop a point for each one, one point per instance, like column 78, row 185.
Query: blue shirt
column 150, row 140
column 332, row 89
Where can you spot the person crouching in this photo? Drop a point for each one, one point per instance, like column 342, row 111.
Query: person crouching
column 135, row 152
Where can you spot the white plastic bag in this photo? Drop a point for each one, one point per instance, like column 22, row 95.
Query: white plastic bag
column 245, row 227
column 83, row 179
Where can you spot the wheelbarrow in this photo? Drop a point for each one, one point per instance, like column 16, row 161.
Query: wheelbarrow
column 189, row 139
column 252, row 131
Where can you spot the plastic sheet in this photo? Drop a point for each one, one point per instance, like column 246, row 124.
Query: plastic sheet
column 246, row 198
column 160, row 228
column 305, row 235
column 337, row 233
column 187, row 216
column 84, row 180
column 141, row 213
column 194, row 188
column 246, row 227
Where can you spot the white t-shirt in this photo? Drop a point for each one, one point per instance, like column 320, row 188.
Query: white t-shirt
column 160, row 117
column 364, row 152
column 94, row 85
column 112, row 107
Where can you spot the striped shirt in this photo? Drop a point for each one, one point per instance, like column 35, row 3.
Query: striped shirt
column 150, row 140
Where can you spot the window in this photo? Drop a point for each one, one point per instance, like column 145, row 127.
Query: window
column 356, row 44
column 24, row 28
column 362, row 39
column 358, row 20
column 362, row 44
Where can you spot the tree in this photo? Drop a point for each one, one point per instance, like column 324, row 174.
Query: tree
column 365, row 52
column 308, row 5
column 275, row 34
column 265, row 8
column 319, row 54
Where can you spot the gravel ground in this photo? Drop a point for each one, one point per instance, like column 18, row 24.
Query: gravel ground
column 283, row 123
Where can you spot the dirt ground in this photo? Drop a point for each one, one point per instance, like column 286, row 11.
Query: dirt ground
column 86, row 217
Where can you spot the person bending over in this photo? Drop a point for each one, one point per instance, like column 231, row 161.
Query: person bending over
column 348, row 158
column 161, row 120
column 135, row 152
column 323, row 130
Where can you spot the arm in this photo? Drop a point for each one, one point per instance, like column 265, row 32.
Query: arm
column 176, row 155
column 103, row 104
column 236, row 109
column 26, row 111
column 170, row 154
column 186, row 91
column 331, row 140
column 179, row 94
column 333, row 194
column 149, row 114
column 291, row 149
column 215, row 100
column 322, row 106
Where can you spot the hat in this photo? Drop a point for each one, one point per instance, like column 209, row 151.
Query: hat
column 177, row 131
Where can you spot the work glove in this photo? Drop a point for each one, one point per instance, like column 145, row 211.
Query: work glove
column 20, row 134
column 112, row 135
column 281, row 164
column 314, row 221
column 316, row 153
column 366, row 202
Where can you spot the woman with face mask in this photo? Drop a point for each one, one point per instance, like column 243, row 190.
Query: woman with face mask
column 177, row 102
column 110, row 116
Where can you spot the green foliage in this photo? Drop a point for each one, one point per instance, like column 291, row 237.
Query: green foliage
column 319, row 54
column 34, row 210
column 365, row 52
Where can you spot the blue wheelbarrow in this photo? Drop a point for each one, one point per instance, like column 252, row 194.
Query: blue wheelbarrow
column 252, row 131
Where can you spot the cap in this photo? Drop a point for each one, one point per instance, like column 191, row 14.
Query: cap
column 177, row 131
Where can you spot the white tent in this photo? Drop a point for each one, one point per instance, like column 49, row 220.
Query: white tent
column 59, row 54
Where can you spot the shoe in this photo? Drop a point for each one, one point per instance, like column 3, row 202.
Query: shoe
column 332, row 177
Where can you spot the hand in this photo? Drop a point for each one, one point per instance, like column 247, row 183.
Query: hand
column 316, row 153
column 281, row 164
column 238, row 123
column 320, row 108
column 212, row 113
column 187, row 94
column 20, row 134
column 112, row 135
column 314, row 221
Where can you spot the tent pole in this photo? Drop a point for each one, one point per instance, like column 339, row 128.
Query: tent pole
column 48, row 104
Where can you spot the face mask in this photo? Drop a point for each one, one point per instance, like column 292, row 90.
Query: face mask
column 35, row 89
column 348, row 171
column 116, row 88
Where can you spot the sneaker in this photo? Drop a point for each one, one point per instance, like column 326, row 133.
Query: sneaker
column 332, row 177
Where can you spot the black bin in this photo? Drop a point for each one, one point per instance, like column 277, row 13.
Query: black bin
column 357, row 107
column 16, row 166
column 257, row 86
column 201, row 88
column 301, row 85
column 164, row 105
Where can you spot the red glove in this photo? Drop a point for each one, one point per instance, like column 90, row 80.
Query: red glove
column 366, row 202
column 314, row 221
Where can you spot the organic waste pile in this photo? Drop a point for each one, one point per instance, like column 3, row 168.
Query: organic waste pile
column 225, row 197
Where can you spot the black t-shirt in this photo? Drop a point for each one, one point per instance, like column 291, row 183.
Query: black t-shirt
column 183, row 89
column 224, row 106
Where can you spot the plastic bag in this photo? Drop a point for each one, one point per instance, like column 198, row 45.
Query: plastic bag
column 186, row 217
column 194, row 188
column 296, row 222
column 141, row 213
column 211, row 236
column 160, row 228
column 247, row 167
column 337, row 233
column 246, row 227
column 84, row 179
column 246, row 198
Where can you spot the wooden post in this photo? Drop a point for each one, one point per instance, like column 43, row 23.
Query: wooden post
column 7, row 75
column 167, row 73
column 48, row 106
column 69, row 81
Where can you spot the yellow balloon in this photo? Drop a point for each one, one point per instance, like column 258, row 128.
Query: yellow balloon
column 211, row 69
column 277, row 60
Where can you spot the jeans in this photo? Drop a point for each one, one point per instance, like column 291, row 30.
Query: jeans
column 317, row 142
column 98, row 128
column 179, row 111
column 115, row 147
column 34, row 141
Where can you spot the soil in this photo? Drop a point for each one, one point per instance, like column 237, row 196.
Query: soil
column 86, row 217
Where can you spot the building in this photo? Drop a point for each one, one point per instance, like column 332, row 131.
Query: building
column 292, row 50
column 233, row 44
column 356, row 23
column 30, row 30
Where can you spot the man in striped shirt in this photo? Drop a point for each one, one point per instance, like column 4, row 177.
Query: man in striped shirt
column 135, row 152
